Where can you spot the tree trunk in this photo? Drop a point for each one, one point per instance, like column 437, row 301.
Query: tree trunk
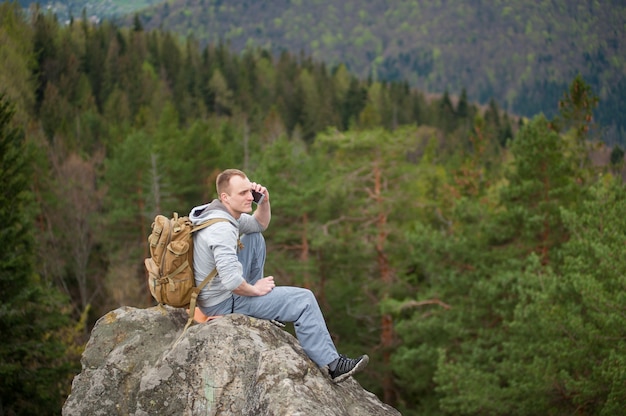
column 304, row 250
column 387, row 333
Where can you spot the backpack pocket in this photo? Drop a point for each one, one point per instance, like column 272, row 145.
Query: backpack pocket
column 177, row 286
column 176, row 255
column 161, row 232
column 153, row 279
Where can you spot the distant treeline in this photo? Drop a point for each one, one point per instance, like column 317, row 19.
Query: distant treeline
column 523, row 54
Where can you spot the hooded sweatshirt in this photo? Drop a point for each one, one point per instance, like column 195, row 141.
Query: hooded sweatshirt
column 216, row 246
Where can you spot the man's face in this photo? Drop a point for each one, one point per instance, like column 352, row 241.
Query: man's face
column 238, row 199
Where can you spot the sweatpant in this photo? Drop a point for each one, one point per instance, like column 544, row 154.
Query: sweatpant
column 283, row 303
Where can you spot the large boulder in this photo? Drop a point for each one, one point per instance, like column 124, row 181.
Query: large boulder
column 135, row 364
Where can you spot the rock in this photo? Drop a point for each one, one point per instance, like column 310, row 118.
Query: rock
column 233, row 365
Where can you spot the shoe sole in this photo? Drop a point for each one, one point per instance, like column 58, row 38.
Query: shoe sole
column 357, row 368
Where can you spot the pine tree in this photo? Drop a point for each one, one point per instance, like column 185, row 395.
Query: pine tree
column 541, row 182
column 576, row 114
column 368, row 186
column 296, row 183
column 16, row 59
column 471, row 274
column 567, row 339
column 32, row 371
column 447, row 117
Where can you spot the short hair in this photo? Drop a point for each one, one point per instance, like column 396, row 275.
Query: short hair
column 222, row 183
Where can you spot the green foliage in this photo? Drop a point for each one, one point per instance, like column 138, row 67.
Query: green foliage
column 523, row 59
column 368, row 185
column 576, row 107
column 17, row 60
column 292, row 174
column 589, row 294
column 617, row 156
column 516, row 311
column 33, row 372
column 540, row 182
column 566, row 336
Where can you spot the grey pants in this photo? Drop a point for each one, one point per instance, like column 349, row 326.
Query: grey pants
column 283, row 303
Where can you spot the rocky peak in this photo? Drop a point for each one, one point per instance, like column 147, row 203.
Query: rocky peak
column 233, row 365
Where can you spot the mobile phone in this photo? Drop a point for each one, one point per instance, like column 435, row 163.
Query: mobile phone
column 257, row 197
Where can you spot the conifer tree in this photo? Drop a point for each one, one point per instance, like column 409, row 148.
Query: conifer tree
column 447, row 116
column 32, row 371
column 471, row 273
column 576, row 114
column 296, row 182
column 368, row 185
column 567, row 337
column 541, row 182
column 16, row 59
column 223, row 103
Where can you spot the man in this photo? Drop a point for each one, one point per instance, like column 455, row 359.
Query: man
column 240, row 286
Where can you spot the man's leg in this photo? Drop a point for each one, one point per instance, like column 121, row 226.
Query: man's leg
column 284, row 304
column 297, row 305
column 292, row 304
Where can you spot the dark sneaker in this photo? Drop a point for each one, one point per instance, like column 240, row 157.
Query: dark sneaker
column 347, row 367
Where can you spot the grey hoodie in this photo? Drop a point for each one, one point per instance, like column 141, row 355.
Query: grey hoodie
column 217, row 245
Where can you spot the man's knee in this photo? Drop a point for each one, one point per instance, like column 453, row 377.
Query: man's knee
column 253, row 241
column 252, row 256
column 305, row 298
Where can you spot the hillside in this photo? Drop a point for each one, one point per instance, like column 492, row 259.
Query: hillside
column 522, row 53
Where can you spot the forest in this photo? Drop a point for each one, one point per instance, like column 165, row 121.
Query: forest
column 477, row 257
column 522, row 53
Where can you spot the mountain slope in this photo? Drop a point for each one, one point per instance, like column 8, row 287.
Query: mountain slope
column 523, row 53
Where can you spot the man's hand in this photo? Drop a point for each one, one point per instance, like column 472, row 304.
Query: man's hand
column 265, row 285
column 262, row 190
column 261, row 287
column 263, row 212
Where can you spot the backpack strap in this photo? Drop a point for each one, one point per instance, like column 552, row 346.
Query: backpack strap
column 194, row 296
column 196, row 290
column 207, row 223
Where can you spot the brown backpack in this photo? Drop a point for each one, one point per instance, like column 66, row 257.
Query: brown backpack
column 170, row 265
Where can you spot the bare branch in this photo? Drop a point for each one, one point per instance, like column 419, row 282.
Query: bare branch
column 326, row 226
column 416, row 304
